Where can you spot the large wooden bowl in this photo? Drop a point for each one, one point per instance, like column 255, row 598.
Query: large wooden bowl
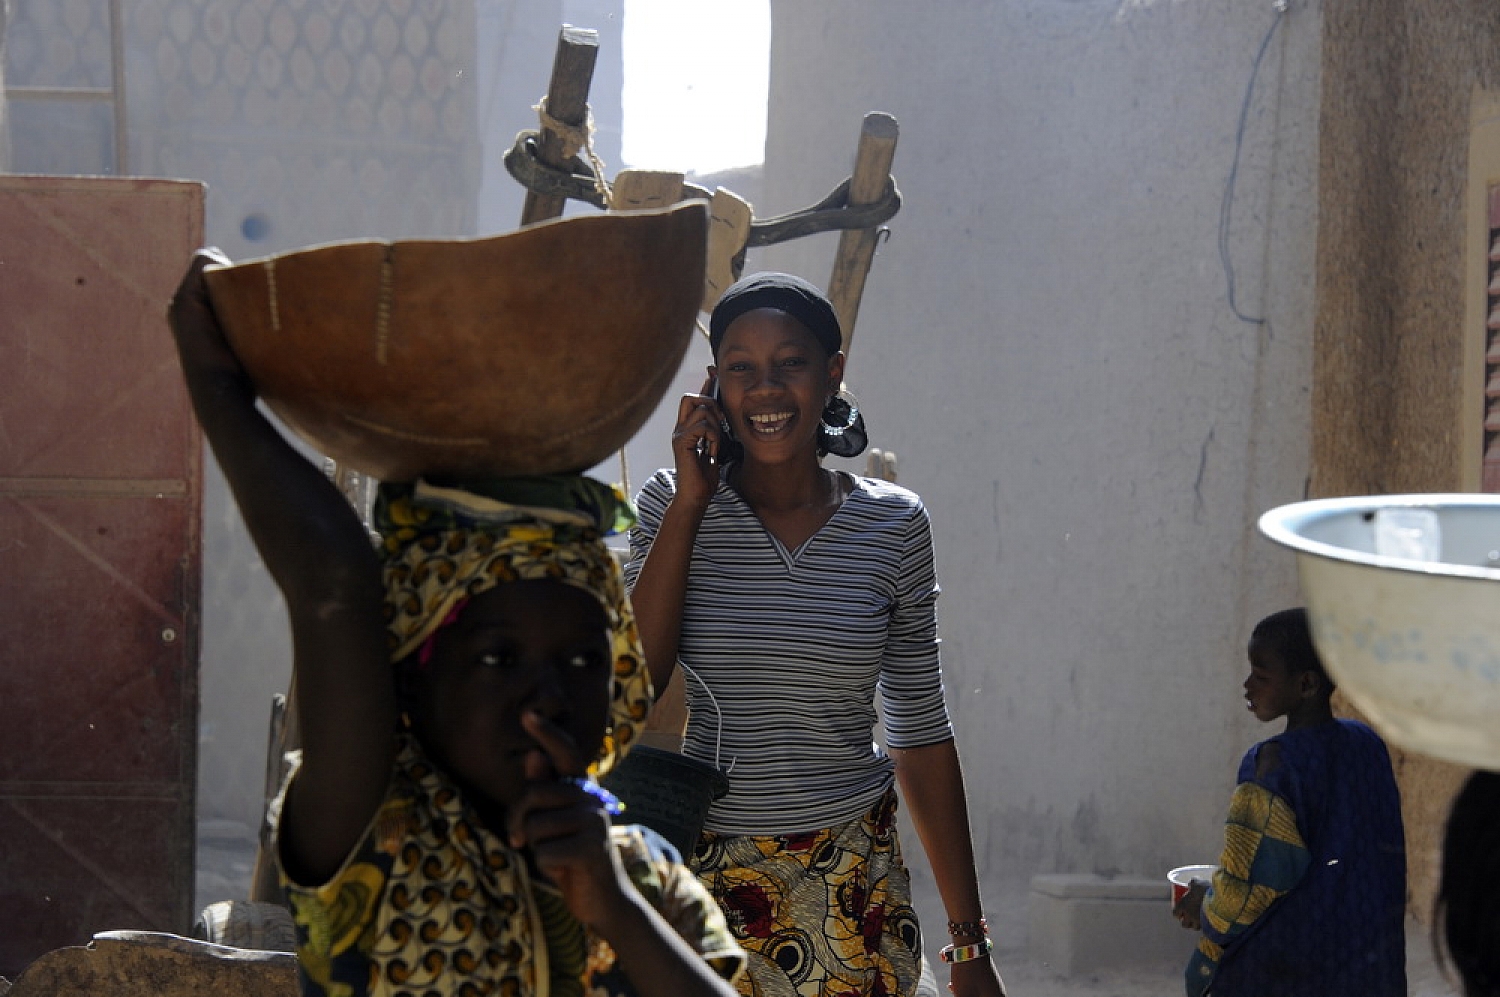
column 535, row 352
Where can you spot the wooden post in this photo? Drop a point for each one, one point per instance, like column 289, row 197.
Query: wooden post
column 567, row 101
column 872, row 170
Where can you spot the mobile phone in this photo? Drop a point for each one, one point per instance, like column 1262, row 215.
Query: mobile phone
column 723, row 420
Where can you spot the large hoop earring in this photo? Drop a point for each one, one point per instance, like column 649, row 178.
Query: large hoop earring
column 843, row 408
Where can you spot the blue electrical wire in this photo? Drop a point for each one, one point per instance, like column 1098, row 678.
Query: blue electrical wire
column 1226, row 206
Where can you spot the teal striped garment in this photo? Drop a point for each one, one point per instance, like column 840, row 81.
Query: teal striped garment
column 794, row 648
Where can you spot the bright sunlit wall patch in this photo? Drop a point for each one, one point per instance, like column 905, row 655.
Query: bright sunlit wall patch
column 697, row 74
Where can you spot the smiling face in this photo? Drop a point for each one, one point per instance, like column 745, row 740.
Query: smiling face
column 530, row 645
column 774, row 379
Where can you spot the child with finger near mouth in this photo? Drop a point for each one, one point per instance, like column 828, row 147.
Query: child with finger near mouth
column 459, row 686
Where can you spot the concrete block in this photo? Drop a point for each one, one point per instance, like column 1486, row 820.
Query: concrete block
column 1082, row 923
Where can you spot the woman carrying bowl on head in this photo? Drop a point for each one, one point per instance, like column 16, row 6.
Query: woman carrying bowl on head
column 791, row 593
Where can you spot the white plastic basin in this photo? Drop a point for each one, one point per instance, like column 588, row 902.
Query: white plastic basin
column 1414, row 643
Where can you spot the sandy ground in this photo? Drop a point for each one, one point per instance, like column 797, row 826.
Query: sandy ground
column 226, row 853
column 1025, row 977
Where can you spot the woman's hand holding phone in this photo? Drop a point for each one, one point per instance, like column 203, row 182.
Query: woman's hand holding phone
column 696, row 443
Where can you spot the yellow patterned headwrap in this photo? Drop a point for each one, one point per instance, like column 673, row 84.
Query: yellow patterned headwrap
column 442, row 546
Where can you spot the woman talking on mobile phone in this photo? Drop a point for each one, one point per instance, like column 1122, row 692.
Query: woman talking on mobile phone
column 792, row 594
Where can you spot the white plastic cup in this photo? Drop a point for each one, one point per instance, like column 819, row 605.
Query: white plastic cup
column 1181, row 878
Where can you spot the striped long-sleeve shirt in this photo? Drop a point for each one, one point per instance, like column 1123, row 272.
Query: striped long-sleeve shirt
column 787, row 650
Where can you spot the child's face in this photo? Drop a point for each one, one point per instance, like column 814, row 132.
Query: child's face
column 532, row 645
column 1271, row 689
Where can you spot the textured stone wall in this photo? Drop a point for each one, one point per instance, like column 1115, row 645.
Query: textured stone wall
column 310, row 122
column 1398, row 78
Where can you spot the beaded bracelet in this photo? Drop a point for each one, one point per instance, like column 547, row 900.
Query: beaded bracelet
column 965, row 953
column 969, row 928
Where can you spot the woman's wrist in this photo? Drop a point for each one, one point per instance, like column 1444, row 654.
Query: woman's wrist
column 957, row 955
column 968, row 931
column 976, row 927
column 690, row 511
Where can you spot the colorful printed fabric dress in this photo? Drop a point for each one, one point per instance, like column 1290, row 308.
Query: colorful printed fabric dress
column 825, row 912
column 431, row 901
column 1310, row 897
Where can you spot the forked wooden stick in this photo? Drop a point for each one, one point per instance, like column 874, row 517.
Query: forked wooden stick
column 567, row 101
column 872, row 171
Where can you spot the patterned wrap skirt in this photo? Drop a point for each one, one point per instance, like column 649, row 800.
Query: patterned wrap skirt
column 819, row 913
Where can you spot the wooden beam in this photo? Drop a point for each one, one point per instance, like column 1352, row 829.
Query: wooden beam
column 872, row 170
column 567, row 102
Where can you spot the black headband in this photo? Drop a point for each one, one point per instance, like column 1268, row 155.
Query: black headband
column 784, row 292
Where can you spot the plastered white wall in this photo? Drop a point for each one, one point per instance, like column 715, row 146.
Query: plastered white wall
column 1046, row 343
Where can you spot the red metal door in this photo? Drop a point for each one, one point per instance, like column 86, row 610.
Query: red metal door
column 100, row 483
